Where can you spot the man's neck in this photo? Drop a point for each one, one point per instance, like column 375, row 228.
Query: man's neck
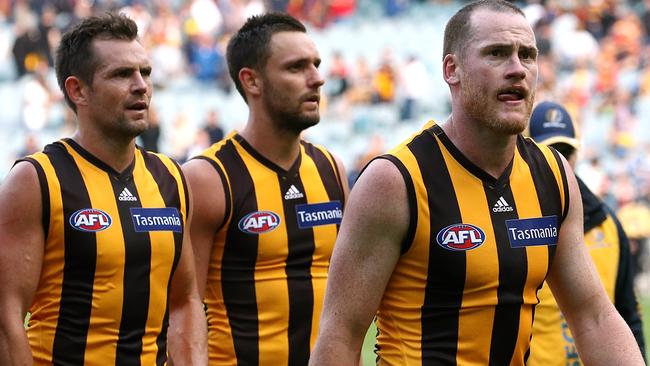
column 487, row 149
column 114, row 153
column 280, row 147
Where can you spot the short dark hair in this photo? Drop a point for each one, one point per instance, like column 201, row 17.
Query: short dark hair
column 249, row 47
column 459, row 28
column 75, row 55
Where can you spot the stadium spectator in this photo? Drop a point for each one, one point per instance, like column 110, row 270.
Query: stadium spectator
column 552, row 343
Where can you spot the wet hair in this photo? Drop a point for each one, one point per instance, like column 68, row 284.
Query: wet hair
column 75, row 55
column 459, row 28
column 249, row 47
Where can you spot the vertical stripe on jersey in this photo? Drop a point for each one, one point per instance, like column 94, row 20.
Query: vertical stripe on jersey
column 481, row 263
column 136, row 281
column 168, row 187
column 300, row 243
column 445, row 293
column 238, row 265
column 106, row 303
column 226, row 189
column 137, row 264
column 411, row 198
column 314, row 166
column 79, row 271
column 41, row 342
column 546, row 186
column 512, row 278
column 45, row 195
column 326, row 168
column 527, row 200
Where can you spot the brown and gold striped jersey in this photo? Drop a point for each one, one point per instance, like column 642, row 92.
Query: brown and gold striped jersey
column 477, row 250
column 268, row 267
column 113, row 241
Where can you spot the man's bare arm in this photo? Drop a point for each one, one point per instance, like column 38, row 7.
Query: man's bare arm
column 22, row 243
column 365, row 254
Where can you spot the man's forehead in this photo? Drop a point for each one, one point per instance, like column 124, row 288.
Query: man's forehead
column 292, row 44
column 113, row 50
column 501, row 27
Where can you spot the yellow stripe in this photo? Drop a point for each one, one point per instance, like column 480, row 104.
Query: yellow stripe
column 324, row 237
column 221, row 347
column 483, row 278
column 555, row 167
column 220, row 342
column 47, row 300
column 407, row 284
column 526, row 197
column 271, row 286
column 107, row 299
column 604, row 248
column 162, row 259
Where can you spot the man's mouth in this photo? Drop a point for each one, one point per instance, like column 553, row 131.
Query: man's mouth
column 512, row 94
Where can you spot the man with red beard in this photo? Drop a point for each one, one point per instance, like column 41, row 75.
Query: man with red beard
column 472, row 219
column 268, row 204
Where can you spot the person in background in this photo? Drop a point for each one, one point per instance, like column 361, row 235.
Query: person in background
column 552, row 343
column 94, row 231
column 447, row 238
column 267, row 204
column 213, row 127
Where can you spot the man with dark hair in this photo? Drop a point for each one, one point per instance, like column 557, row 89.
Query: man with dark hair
column 267, row 204
column 552, row 343
column 94, row 241
column 470, row 219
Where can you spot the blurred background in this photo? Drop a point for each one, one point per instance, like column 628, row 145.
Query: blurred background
column 382, row 64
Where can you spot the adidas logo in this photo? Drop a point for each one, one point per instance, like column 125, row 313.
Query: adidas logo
column 293, row 193
column 126, row 195
column 502, row 206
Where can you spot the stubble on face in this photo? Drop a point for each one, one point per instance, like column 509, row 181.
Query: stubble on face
column 479, row 98
column 476, row 105
column 291, row 85
column 111, row 96
column 285, row 111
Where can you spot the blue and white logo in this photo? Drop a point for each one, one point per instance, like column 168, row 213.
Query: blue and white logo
column 535, row 231
column 317, row 214
column 459, row 237
column 259, row 222
column 156, row 219
column 90, row 220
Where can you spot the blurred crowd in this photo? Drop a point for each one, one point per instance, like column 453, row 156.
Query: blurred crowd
column 594, row 58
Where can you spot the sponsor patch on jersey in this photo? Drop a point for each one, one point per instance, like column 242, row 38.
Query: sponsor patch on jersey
column 530, row 232
column 90, row 220
column 156, row 219
column 259, row 222
column 317, row 214
column 460, row 237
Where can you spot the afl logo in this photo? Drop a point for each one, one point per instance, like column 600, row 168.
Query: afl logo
column 90, row 220
column 259, row 222
column 460, row 237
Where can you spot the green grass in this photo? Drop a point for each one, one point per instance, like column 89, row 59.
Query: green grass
column 368, row 355
column 645, row 313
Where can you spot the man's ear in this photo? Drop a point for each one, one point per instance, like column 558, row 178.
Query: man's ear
column 77, row 90
column 250, row 81
column 450, row 70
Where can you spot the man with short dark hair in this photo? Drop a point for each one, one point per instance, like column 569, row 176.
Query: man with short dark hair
column 93, row 230
column 267, row 204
